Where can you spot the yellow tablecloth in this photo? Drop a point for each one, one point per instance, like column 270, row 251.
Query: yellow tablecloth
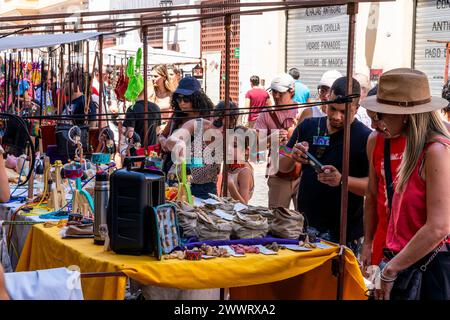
column 306, row 275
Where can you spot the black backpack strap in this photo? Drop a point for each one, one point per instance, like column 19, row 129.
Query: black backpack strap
column 388, row 172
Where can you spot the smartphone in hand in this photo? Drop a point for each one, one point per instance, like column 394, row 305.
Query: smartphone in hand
column 314, row 162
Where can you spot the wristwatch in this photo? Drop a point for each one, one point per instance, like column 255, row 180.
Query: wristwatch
column 2, row 151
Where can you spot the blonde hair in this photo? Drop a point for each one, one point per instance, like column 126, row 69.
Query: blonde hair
column 161, row 69
column 422, row 127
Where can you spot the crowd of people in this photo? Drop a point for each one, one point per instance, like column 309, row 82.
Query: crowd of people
column 397, row 219
column 398, row 203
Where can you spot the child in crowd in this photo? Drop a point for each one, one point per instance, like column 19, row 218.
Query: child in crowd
column 241, row 180
column 4, row 185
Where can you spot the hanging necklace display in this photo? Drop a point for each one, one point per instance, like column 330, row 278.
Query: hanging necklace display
column 30, row 68
column 61, row 82
column 8, row 85
column 108, row 86
column 4, row 100
column 13, row 84
column 114, row 74
column 18, row 87
column 14, row 92
column 43, row 90
column 81, row 200
column 88, row 98
column 50, row 103
column 122, row 85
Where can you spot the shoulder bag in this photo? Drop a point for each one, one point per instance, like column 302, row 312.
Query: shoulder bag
column 294, row 174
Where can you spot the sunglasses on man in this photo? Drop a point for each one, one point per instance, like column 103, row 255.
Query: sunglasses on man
column 323, row 89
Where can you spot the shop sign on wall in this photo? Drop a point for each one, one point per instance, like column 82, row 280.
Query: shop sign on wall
column 317, row 42
column 432, row 23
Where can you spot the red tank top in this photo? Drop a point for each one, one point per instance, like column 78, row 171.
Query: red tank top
column 397, row 147
column 409, row 209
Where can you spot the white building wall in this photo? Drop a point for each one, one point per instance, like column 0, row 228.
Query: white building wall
column 262, row 48
column 186, row 34
column 394, row 35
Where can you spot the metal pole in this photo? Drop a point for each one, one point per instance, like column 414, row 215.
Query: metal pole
column 102, row 274
column 70, row 74
column 43, row 91
column 352, row 9
column 280, row 6
column 61, row 79
column 19, row 79
column 145, row 45
column 32, row 61
column 100, row 76
column 9, row 79
column 227, row 102
column 87, row 70
column 205, row 71
column 86, row 81
column 286, row 5
column 447, row 52
column 5, row 92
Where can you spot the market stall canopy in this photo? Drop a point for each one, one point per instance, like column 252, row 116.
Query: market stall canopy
column 155, row 56
column 44, row 40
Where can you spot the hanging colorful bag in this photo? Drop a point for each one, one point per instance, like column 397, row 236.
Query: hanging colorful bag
column 122, row 85
column 136, row 81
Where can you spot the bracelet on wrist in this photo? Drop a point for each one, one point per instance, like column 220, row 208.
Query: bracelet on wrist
column 385, row 278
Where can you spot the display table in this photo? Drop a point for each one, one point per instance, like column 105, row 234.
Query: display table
column 20, row 232
column 288, row 275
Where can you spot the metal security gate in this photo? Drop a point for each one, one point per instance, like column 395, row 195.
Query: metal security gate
column 316, row 42
column 432, row 23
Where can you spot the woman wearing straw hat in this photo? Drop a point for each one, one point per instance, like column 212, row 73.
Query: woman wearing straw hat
column 417, row 257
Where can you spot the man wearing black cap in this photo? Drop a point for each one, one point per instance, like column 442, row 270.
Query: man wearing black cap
column 319, row 196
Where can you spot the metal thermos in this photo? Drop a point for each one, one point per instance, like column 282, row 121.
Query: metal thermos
column 101, row 197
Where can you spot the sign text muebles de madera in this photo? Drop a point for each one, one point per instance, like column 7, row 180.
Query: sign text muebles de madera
column 316, row 42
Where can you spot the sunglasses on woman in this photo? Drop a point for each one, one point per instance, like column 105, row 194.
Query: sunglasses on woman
column 186, row 99
column 375, row 116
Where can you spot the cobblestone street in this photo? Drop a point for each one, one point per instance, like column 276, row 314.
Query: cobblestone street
column 260, row 194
